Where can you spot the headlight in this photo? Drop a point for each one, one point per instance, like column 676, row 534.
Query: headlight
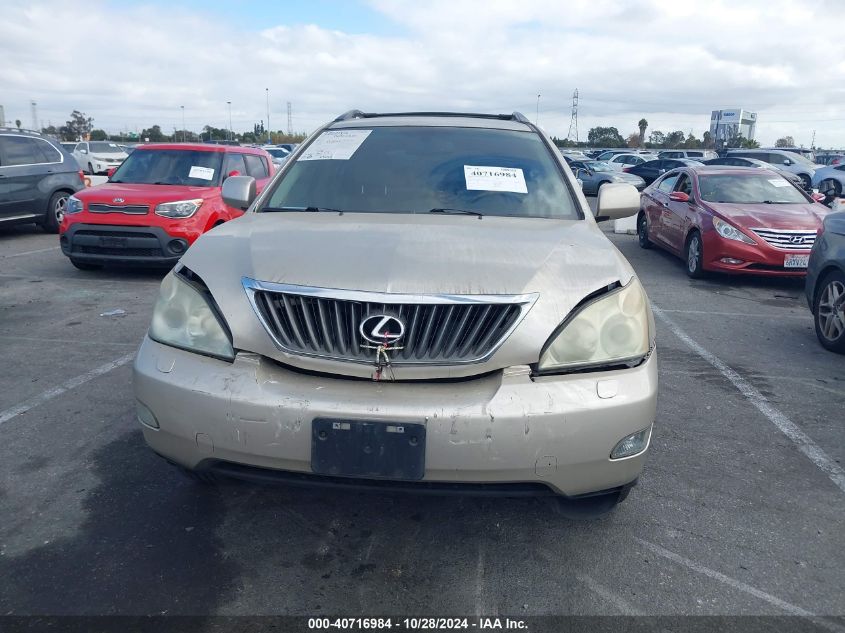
column 183, row 318
column 74, row 205
column 180, row 209
column 730, row 232
column 615, row 329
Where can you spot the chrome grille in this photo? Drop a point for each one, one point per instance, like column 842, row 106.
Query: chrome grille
column 131, row 209
column 789, row 240
column 439, row 329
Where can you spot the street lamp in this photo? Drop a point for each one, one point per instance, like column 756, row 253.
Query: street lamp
column 267, row 91
column 183, row 123
column 231, row 132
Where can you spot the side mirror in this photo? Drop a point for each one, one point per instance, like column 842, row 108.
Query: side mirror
column 661, row 171
column 787, row 162
column 821, row 197
column 234, row 172
column 616, row 201
column 83, row 151
column 239, row 191
column 679, row 196
column 110, row 172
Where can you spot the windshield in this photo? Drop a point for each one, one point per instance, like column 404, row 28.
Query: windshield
column 749, row 189
column 417, row 169
column 170, row 167
column 597, row 165
column 799, row 158
column 276, row 152
column 101, row 147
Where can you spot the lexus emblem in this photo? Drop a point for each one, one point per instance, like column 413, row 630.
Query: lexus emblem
column 796, row 239
column 118, row 200
column 381, row 329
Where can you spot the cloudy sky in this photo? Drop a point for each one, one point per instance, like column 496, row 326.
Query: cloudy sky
column 133, row 63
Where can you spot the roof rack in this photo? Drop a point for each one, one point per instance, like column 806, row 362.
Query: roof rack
column 18, row 130
column 358, row 114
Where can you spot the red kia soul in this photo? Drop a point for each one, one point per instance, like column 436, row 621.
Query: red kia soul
column 161, row 199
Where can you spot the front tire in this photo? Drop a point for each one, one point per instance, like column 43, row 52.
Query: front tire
column 55, row 211
column 694, row 255
column 805, row 182
column 829, row 312
column 642, row 231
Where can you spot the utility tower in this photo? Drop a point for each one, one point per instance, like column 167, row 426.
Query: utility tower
column 290, row 121
column 34, row 109
column 573, row 120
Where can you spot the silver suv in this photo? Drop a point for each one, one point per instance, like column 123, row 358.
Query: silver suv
column 783, row 159
column 415, row 300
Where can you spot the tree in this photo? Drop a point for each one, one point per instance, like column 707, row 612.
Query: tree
column 749, row 143
column 633, row 140
column 210, row 133
column 605, row 137
column 18, row 123
column 643, row 125
column 99, row 135
column 785, row 141
column 79, row 125
column 657, row 139
column 692, row 142
column 50, row 130
column 675, row 139
column 153, row 134
column 708, row 140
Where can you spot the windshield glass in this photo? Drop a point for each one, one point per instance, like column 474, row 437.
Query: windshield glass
column 170, row 167
column 799, row 158
column 276, row 152
column 597, row 165
column 749, row 188
column 416, row 169
column 101, row 147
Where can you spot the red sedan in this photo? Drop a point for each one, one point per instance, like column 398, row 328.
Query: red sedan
column 731, row 220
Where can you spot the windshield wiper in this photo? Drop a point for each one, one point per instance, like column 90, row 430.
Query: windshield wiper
column 450, row 211
column 301, row 209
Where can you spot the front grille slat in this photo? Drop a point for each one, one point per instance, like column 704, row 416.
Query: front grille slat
column 129, row 209
column 786, row 238
column 437, row 330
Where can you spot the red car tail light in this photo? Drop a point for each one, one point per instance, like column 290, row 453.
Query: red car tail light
column 626, row 169
column 81, row 176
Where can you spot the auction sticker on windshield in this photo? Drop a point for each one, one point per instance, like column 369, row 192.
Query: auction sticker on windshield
column 335, row 145
column 780, row 182
column 796, row 261
column 495, row 179
column 203, row 173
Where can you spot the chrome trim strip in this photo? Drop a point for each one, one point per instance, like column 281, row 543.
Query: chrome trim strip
column 524, row 301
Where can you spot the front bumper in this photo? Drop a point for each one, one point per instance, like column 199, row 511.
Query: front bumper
column 122, row 245
column 500, row 428
column 757, row 259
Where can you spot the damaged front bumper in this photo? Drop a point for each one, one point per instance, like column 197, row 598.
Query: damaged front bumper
column 255, row 416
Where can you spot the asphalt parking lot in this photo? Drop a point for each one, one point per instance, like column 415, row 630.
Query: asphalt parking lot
column 740, row 510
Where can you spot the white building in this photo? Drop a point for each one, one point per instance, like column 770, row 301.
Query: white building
column 728, row 124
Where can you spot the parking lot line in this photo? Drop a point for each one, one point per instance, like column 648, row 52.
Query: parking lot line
column 738, row 585
column 40, row 250
column 606, row 594
column 804, row 443
column 803, row 317
column 58, row 390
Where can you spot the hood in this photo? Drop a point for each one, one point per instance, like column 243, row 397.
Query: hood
column 562, row 261
column 773, row 216
column 143, row 194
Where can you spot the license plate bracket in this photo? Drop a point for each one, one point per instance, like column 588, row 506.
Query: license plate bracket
column 356, row 448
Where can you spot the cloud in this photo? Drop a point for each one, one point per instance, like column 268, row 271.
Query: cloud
column 672, row 61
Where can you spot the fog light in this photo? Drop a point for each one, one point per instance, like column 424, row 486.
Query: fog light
column 177, row 246
column 731, row 260
column 631, row 445
column 145, row 416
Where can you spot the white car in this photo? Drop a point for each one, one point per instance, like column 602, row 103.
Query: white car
column 97, row 157
column 621, row 161
column 278, row 154
column 783, row 159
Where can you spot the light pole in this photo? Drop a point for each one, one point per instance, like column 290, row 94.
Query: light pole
column 537, row 117
column 231, row 132
column 183, row 123
column 267, row 91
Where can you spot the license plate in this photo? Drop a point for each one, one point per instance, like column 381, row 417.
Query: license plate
column 796, row 261
column 355, row 448
column 114, row 242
